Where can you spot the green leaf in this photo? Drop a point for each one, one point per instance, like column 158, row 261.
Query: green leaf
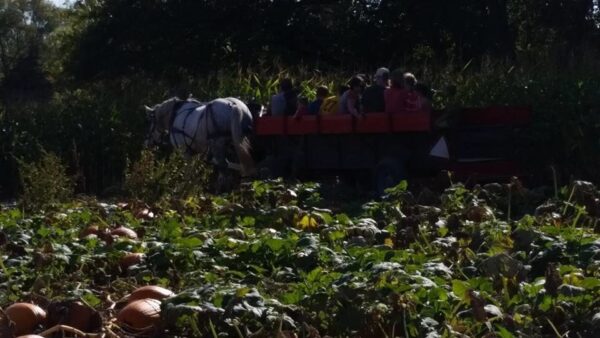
column 211, row 277
column 91, row 299
column 343, row 219
column 443, row 231
column 327, row 218
column 504, row 333
column 242, row 292
column 460, row 289
column 292, row 297
column 170, row 229
column 400, row 188
column 546, row 304
column 336, row 235
column 590, row 283
column 44, row 232
column 247, row 221
column 275, row 244
column 189, row 242
column 314, row 275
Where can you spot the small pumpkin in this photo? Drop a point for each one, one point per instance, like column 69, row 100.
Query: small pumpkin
column 124, row 232
column 140, row 314
column 131, row 259
column 26, row 317
column 150, row 291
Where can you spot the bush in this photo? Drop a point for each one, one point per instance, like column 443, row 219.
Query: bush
column 44, row 182
column 154, row 180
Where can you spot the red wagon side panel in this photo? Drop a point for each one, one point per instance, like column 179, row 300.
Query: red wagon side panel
column 336, row 124
column 374, row 123
column 403, row 122
column 270, row 125
column 302, row 126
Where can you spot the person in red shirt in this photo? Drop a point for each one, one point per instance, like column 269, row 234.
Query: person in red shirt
column 413, row 102
column 402, row 97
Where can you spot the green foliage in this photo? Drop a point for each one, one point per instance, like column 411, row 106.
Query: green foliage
column 243, row 263
column 174, row 178
column 44, row 182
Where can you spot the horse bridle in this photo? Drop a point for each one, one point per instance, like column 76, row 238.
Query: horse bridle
column 164, row 134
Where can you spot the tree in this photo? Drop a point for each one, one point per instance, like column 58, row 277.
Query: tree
column 24, row 26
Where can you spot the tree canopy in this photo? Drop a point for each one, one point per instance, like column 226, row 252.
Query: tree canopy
column 156, row 36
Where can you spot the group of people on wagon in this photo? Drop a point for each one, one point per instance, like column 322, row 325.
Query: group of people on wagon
column 390, row 92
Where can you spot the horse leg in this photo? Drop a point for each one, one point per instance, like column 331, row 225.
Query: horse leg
column 241, row 144
column 218, row 150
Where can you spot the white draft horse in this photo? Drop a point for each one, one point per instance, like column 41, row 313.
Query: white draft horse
column 199, row 128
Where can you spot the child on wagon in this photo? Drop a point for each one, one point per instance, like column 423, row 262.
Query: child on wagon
column 315, row 107
column 350, row 100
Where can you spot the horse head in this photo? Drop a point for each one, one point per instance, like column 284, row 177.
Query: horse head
column 159, row 117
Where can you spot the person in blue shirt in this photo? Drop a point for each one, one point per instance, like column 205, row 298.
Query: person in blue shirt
column 286, row 101
column 315, row 107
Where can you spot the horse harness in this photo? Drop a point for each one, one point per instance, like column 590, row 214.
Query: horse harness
column 220, row 132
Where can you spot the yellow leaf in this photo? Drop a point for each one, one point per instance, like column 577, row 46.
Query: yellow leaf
column 307, row 222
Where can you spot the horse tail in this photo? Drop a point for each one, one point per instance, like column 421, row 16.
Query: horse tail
column 241, row 143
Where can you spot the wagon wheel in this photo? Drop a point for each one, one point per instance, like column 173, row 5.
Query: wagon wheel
column 388, row 173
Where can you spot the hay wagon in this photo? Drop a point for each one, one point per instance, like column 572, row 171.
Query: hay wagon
column 471, row 143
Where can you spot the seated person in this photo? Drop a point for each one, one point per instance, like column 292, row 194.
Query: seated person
column 426, row 94
column 395, row 96
column 415, row 101
column 315, row 106
column 350, row 100
column 285, row 102
column 373, row 98
column 302, row 108
column 402, row 96
column 331, row 105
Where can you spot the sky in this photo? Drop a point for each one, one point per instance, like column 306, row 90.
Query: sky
column 58, row 2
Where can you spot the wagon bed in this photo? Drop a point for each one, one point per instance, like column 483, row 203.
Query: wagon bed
column 479, row 141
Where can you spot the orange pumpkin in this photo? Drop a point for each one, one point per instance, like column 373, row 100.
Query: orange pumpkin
column 140, row 314
column 150, row 291
column 26, row 317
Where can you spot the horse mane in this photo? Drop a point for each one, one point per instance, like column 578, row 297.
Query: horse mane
column 166, row 107
column 192, row 100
